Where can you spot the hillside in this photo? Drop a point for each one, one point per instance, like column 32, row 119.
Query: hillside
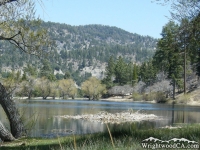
column 89, row 41
column 82, row 50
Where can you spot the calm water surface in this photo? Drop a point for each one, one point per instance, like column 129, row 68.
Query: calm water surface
column 39, row 115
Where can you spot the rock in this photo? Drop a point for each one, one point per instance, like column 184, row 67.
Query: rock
column 105, row 117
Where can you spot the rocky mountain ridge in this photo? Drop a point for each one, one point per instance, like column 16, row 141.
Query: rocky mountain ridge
column 82, row 49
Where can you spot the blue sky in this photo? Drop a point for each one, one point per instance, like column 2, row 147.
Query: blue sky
column 136, row 16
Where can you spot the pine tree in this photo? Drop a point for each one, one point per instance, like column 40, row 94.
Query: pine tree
column 67, row 75
column 47, row 72
column 135, row 74
column 121, row 71
column 195, row 44
column 24, row 77
column 168, row 54
column 110, row 73
column 46, row 69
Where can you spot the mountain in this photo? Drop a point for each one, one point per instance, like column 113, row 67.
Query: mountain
column 82, row 50
column 89, row 41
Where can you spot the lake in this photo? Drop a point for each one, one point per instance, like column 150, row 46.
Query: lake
column 39, row 115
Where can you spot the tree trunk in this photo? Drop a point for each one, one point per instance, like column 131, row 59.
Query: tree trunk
column 16, row 125
column 29, row 95
column 5, row 135
column 174, row 88
column 184, row 83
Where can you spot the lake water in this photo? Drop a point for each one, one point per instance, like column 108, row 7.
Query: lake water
column 39, row 115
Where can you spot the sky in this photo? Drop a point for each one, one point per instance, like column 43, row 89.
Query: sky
column 136, row 16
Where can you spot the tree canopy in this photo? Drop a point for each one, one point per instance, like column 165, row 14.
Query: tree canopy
column 19, row 27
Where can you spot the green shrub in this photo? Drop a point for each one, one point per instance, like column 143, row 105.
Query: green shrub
column 159, row 97
column 183, row 99
column 149, row 97
column 137, row 97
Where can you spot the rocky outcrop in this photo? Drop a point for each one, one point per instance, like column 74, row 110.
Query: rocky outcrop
column 105, row 117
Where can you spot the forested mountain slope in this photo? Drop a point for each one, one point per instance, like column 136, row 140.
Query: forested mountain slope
column 89, row 41
column 82, row 50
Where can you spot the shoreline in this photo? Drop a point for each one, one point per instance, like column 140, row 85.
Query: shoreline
column 126, row 100
column 190, row 102
column 111, row 99
column 190, row 99
column 48, row 98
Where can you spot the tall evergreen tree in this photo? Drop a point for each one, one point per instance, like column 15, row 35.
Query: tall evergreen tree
column 168, row 54
column 46, row 71
column 67, row 75
column 110, row 73
column 135, row 74
column 121, row 71
column 195, row 43
column 147, row 73
column 129, row 73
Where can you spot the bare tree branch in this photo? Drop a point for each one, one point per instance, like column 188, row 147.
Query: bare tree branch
column 3, row 2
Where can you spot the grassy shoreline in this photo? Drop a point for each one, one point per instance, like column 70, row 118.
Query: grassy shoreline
column 121, row 139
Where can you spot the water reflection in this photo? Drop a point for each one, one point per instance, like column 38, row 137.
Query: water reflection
column 41, row 120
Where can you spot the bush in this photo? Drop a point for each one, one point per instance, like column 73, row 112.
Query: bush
column 149, row 97
column 159, row 97
column 137, row 97
column 183, row 99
